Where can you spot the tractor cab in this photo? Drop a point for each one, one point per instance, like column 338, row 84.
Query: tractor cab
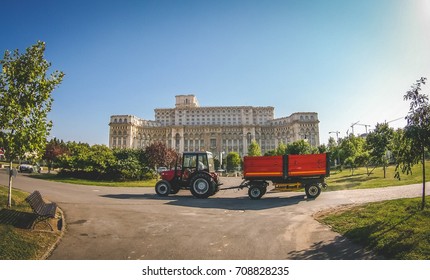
column 196, row 173
column 192, row 162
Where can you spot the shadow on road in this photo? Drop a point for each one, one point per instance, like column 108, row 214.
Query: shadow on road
column 338, row 249
column 238, row 203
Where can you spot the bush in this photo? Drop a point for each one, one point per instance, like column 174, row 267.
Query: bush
column 98, row 162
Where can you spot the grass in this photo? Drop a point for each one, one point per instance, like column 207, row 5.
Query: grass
column 345, row 180
column 18, row 243
column 71, row 180
column 395, row 229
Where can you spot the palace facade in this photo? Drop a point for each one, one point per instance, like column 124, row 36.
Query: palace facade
column 189, row 127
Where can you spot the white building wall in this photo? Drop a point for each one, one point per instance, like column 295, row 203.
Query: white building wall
column 191, row 127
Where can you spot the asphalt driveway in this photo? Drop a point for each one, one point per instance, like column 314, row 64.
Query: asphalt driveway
column 134, row 223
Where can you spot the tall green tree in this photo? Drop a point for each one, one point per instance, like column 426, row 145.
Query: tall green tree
column 352, row 150
column 254, row 149
column 26, row 85
column 233, row 161
column 282, row 148
column 378, row 142
column 334, row 150
column 300, row 147
column 417, row 133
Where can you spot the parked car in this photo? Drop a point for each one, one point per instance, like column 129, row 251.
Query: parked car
column 161, row 169
column 28, row 168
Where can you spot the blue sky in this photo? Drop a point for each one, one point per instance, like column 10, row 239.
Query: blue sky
column 347, row 60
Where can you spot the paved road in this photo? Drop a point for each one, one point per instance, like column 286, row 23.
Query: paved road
column 134, row 223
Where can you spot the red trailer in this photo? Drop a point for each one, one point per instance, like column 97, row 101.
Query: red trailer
column 285, row 172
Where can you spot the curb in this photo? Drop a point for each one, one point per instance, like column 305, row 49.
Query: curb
column 51, row 248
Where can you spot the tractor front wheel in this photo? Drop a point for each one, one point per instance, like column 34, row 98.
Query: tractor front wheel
column 163, row 188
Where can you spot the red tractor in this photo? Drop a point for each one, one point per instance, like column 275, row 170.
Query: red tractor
column 197, row 173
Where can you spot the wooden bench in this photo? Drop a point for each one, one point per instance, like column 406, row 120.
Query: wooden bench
column 44, row 211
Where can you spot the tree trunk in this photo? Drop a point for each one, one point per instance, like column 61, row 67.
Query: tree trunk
column 9, row 200
column 423, row 202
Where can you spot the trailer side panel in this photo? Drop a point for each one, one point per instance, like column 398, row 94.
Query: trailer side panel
column 307, row 165
column 263, row 167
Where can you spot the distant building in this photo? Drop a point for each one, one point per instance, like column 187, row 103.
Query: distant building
column 189, row 127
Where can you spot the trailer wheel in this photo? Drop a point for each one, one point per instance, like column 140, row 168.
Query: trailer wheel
column 202, row 185
column 312, row 191
column 255, row 192
column 163, row 188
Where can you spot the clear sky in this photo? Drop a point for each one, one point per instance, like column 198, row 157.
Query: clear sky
column 348, row 61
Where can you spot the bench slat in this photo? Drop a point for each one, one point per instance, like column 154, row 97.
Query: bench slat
column 39, row 206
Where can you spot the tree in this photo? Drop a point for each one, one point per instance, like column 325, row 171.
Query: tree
column 334, row 150
column 416, row 137
column 353, row 152
column 159, row 155
column 254, row 149
column 53, row 150
column 233, row 161
column 76, row 159
column 282, row 148
column 300, row 147
column 378, row 143
column 131, row 165
column 25, row 101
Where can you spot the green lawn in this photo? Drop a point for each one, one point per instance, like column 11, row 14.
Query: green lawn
column 17, row 243
column 345, row 180
column 395, row 229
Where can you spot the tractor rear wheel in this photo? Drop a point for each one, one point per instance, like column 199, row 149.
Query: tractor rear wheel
column 163, row 188
column 202, row 185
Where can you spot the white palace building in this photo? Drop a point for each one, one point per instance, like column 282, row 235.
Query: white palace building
column 189, row 127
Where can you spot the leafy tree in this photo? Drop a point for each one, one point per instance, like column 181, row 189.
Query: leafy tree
column 101, row 160
column 416, row 138
column 334, row 150
column 53, row 150
column 254, row 149
column 353, row 152
column 131, row 165
column 25, row 101
column 76, row 160
column 159, row 155
column 282, row 148
column 321, row 149
column 233, row 161
column 270, row 153
column 377, row 143
column 300, row 147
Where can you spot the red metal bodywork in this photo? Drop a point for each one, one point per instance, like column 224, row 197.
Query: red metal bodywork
column 307, row 165
column 263, row 166
column 284, row 167
column 169, row 175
